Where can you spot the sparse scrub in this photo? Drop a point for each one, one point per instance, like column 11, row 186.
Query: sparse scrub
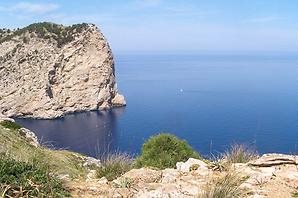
column 114, row 165
column 125, row 183
column 58, row 161
column 164, row 151
column 20, row 179
column 226, row 186
column 218, row 164
column 62, row 34
column 10, row 125
column 239, row 153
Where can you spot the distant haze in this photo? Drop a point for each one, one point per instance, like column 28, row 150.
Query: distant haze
column 162, row 25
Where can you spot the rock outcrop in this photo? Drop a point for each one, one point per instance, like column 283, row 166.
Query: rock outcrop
column 30, row 136
column 48, row 70
column 190, row 179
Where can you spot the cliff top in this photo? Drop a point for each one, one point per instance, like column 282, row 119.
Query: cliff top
column 46, row 30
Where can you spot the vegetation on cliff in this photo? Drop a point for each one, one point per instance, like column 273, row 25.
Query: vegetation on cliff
column 10, row 125
column 240, row 153
column 62, row 34
column 164, row 151
column 13, row 144
column 30, row 171
column 28, row 179
column 115, row 165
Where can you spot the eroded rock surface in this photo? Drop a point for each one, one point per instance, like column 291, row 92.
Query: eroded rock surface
column 30, row 136
column 47, row 70
column 273, row 159
column 273, row 181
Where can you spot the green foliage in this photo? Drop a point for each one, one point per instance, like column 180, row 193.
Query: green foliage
column 10, row 125
column 62, row 34
column 58, row 161
column 194, row 167
column 114, row 166
column 164, row 151
column 239, row 153
column 20, row 179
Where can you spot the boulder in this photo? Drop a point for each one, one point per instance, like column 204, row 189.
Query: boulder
column 274, row 159
column 192, row 165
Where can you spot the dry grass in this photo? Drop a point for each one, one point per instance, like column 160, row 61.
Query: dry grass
column 226, row 186
column 239, row 153
column 59, row 161
column 218, row 164
column 114, row 165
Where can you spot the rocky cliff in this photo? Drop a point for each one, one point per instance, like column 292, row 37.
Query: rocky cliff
column 48, row 70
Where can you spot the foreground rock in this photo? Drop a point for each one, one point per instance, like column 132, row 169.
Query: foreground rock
column 47, row 70
column 191, row 178
column 30, row 136
column 275, row 159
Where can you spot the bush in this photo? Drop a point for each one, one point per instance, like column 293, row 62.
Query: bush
column 114, row 165
column 239, row 153
column 10, row 125
column 20, row 179
column 164, row 151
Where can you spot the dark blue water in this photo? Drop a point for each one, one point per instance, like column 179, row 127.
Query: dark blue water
column 209, row 100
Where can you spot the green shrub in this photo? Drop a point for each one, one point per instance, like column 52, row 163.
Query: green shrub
column 10, row 125
column 20, row 179
column 239, row 153
column 164, row 151
column 114, row 165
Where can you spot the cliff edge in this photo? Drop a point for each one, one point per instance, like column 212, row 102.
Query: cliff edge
column 48, row 70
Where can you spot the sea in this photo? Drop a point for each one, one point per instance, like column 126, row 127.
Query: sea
column 209, row 99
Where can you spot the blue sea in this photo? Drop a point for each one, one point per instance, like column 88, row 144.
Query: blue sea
column 211, row 100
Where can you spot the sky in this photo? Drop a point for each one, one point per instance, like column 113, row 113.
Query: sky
column 171, row 25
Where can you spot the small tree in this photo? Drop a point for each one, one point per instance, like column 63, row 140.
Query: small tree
column 164, row 151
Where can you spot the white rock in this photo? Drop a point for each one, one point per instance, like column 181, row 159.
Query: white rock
column 274, row 159
column 91, row 175
column 170, row 175
column 118, row 100
column 30, row 136
column 90, row 161
column 191, row 162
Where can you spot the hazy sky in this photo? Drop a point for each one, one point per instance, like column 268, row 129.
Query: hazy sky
column 216, row 25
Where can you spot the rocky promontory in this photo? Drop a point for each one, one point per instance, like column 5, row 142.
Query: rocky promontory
column 48, row 70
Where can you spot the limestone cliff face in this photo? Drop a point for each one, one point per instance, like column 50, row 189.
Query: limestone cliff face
column 47, row 70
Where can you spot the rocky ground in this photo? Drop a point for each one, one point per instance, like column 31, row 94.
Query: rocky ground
column 272, row 175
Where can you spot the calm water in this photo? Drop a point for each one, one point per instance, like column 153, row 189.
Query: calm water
column 209, row 100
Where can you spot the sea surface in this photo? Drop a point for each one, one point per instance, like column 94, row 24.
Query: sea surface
column 211, row 100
